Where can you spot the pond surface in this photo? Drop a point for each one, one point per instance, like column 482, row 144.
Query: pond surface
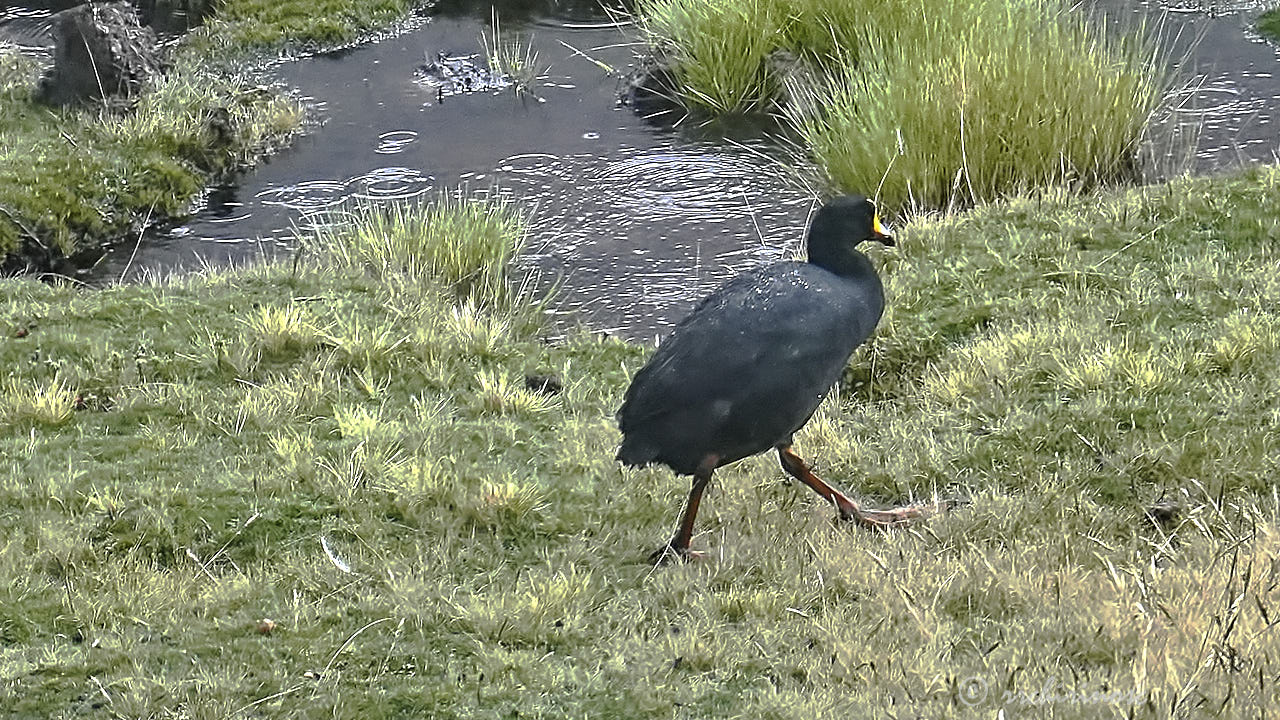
column 634, row 223
column 1228, row 112
column 29, row 24
column 621, row 212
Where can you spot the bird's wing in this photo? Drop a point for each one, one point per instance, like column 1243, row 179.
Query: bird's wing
column 781, row 328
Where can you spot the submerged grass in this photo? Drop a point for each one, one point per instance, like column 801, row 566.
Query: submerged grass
column 347, row 449
column 925, row 104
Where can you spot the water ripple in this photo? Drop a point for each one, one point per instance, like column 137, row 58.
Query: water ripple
column 312, row 196
column 635, row 237
column 689, row 185
column 395, row 141
column 305, row 196
column 389, row 183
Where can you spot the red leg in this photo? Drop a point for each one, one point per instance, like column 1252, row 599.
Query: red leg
column 678, row 548
column 849, row 510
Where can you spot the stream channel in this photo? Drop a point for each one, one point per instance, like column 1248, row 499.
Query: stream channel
column 633, row 222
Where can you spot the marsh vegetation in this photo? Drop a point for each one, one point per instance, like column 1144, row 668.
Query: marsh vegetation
column 73, row 179
column 927, row 105
column 511, row 56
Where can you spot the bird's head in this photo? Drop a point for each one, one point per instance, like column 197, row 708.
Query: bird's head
column 849, row 218
column 840, row 225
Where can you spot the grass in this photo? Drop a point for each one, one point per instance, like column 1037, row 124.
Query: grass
column 48, row 404
column 720, row 50
column 348, row 450
column 69, row 178
column 241, row 27
column 512, row 57
column 463, row 241
column 926, row 106
column 72, row 180
column 1268, row 24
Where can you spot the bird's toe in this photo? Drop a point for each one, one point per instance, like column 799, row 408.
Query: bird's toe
column 671, row 553
column 892, row 518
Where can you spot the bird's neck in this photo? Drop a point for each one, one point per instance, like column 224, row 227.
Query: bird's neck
column 845, row 262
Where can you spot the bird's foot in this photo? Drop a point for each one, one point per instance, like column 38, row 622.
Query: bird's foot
column 892, row 518
column 671, row 553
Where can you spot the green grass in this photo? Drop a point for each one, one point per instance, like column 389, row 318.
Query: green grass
column 1268, row 24
column 719, row 50
column 69, row 178
column 512, row 57
column 348, row 449
column 924, row 105
column 241, row 26
column 466, row 242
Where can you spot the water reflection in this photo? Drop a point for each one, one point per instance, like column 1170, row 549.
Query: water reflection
column 29, row 24
column 660, row 228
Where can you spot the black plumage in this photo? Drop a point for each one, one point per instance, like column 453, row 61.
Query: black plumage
column 752, row 362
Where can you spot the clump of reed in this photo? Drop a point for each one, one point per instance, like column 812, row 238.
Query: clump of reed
column 925, row 104
column 512, row 58
column 465, row 243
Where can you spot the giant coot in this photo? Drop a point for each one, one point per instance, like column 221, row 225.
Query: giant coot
column 752, row 362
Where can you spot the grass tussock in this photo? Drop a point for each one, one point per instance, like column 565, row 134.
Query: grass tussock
column 217, row 123
column 925, row 105
column 346, row 449
column 720, row 50
column 276, row 331
column 512, row 57
column 468, row 243
column 43, row 404
column 499, row 394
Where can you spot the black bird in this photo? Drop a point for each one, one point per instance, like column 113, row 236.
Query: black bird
column 752, row 362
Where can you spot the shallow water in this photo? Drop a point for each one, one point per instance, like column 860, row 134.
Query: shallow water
column 635, row 223
column 29, row 25
column 1228, row 112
